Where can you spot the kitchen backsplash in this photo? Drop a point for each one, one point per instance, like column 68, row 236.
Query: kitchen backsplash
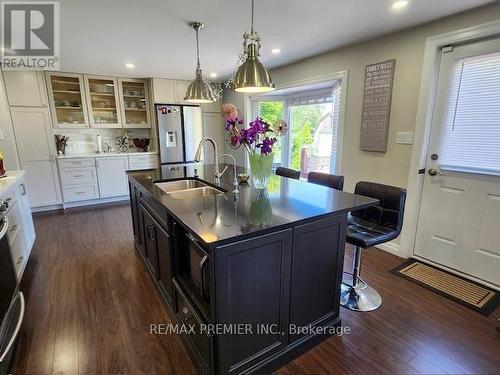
column 84, row 141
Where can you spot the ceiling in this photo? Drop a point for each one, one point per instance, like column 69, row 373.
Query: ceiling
column 101, row 36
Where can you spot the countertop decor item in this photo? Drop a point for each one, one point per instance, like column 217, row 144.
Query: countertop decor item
column 200, row 90
column 252, row 76
column 61, row 143
column 122, row 143
column 258, row 139
column 243, row 177
column 142, row 143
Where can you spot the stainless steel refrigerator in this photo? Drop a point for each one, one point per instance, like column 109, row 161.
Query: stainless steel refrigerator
column 180, row 130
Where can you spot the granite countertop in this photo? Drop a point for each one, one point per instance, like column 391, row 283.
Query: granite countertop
column 10, row 179
column 106, row 154
column 215, row 219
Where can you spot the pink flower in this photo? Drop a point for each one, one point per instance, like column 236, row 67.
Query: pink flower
column 229, row 111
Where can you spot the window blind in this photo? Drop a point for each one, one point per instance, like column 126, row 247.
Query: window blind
column 470, row 139
column 310, row 97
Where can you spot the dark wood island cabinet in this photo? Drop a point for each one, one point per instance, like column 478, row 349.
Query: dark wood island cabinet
column 256, row 277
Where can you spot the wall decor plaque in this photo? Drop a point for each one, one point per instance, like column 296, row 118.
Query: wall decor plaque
column 377, row 100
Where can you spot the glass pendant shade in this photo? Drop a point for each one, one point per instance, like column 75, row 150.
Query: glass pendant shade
column 200, row 90
column 252, row 76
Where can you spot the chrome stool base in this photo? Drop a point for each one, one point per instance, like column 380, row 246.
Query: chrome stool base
column 360, row 298
column 355, row 294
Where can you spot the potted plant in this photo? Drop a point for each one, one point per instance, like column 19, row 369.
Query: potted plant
column 258, row 139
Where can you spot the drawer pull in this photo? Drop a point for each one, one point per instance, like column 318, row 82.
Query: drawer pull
column 78, row 175
column 13, row 228
column 76, row 162
column 80, row 192
column 19, row 260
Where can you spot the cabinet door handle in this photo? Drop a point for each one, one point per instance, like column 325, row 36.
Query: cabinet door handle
column 23, row 189
column 16, row 329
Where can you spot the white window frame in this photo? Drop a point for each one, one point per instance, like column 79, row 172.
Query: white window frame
column 342, row 77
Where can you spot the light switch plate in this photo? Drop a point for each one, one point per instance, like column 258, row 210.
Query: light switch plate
column 404, row 138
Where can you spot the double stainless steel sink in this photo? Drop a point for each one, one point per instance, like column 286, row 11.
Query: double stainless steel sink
column 188, row 189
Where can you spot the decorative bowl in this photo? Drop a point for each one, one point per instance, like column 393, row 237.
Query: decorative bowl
column 141, row 143
column 243, row 177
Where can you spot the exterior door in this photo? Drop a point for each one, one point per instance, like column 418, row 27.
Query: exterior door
column 35, row 147
column 460, row 211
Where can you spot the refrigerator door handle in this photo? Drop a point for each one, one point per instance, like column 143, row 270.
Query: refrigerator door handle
column 16, row 330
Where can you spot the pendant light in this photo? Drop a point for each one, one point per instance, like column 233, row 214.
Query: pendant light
column 252, row 76
column 200, row 90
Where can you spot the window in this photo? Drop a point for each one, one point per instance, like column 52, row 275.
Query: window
column 471, row 133
column 312, row 117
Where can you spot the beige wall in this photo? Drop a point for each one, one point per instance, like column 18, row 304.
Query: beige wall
column 407, row 47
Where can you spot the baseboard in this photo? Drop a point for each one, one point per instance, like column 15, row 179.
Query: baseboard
column 392, row 248
column 96, row 201
column 80, row 203
column 46, row 208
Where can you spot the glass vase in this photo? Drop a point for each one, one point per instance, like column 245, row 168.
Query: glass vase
column 261, row 167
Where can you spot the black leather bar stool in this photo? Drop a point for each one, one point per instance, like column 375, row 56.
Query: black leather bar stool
column 325, row 179
column 370, row 227
column 287, row 172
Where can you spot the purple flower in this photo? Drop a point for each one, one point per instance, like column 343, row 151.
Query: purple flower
column 266, row 147
column 235, row 139
column 259, row 126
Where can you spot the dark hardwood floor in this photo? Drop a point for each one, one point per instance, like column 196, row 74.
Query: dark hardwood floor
column 90, row 303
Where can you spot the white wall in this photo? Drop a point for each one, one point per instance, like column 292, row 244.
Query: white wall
column 407, row 47
column 8, row 143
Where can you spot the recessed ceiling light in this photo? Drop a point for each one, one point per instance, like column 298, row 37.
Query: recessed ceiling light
column 275, row 51
column 213, row 75
column 399, row 4
column 130, row 65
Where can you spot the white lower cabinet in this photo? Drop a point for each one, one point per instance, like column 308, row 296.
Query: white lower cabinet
column 21, row 231
column 138, row 162
column 112, row 177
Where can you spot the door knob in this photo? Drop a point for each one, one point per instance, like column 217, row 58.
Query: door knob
column 434, row 172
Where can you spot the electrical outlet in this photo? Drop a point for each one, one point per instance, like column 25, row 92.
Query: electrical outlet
column 404, row 138
column 2, row 138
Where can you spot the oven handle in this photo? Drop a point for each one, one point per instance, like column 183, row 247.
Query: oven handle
column 16, row 331
column 203, row 263
column 5, row 227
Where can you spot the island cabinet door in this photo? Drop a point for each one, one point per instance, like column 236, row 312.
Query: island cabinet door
column 317, row 264
column 252, row 284
column 151, row 255
column 164, row 251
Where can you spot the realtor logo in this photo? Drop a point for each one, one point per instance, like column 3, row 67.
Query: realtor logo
column 30, row 35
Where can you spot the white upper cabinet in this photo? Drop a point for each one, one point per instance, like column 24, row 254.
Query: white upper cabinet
column 67, row 100
column 102, row 99
column 164, row 91
column 135, row 103
column 25, row 88
column 169, row 91
column 111, row 176
column 181, row 89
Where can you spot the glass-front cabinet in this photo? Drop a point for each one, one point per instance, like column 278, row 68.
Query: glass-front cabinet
column 134, row 103
column 102, row 100
column 67, row 100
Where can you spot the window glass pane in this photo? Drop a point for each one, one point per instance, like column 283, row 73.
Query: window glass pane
column 471, row 133
column 311, row 137
column 272, row 112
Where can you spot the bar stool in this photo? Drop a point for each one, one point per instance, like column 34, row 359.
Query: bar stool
column 370, row 227
column 287, row 172
column 325, row 179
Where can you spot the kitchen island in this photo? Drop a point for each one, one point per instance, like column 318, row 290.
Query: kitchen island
column 256, row 275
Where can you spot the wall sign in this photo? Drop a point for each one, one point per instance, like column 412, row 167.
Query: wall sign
column 377, row 106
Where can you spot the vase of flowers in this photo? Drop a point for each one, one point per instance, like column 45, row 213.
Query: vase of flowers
column 258, row 139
